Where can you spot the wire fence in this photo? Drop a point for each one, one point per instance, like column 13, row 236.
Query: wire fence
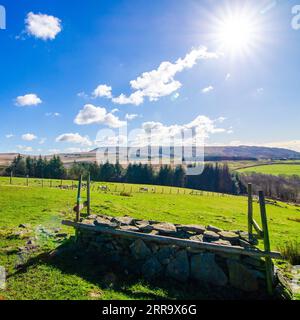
column 106, row 187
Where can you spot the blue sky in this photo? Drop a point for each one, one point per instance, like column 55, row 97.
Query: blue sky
column 49, row 75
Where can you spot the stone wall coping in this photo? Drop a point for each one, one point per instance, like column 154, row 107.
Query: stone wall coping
column 174, row 241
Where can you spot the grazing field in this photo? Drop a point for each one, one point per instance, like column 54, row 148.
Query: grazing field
column 274, row 169
column 40, row 274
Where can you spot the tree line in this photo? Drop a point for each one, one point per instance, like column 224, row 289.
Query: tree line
column 283, row 187
column 215, row 177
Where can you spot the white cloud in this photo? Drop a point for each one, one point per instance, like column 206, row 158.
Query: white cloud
column 162, row 134
column 114, row 110
column 30, row 99
column 54, row 151
column 207, row 89
column 42, row 141
column 161, row 81
column 29, row 137
column 52, row 114
column 91, row 114
column 74, row 138
column 25, row 148
column 135, row 98
column 228, row 76
column 42, row 26
column 130, row 117
column 76, row 150
column 102, row 91
column 9, row 136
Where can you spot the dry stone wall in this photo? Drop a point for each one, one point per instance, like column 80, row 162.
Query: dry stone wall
column 150, row 259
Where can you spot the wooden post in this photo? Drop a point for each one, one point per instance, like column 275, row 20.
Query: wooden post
column 27, row 181
column 250, row 212
column 268, row 260
column 42, row 183
column 78, row 199
column 11, row 175
column 88, row 193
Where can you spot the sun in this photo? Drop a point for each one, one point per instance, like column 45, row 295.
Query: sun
column 237, row 32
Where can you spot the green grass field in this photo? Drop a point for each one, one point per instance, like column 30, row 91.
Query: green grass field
column 274, row 169
column 63, row 278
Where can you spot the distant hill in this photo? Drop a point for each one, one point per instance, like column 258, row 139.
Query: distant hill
column 259, row 153
column 211, row 154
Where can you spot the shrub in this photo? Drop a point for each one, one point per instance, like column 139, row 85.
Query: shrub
column 291, row 252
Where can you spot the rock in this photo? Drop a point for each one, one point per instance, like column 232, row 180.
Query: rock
column 241, row 277
column 210, row 236
column 92, row 217
column 197, row 238
column 165, row 228
column 152, row 268
column 144, row 226
column 256, row 262
column 105, row 223
column 192, row 228
column 140, row 250
column 61, row 235
column 123, row 221
column 24, row 226
column 179, row 268
column 222, row 242
column 214, row 229
column 229, row 236
column 88, row 222
column 166, row 252
column 129, row 228
column 204, row 268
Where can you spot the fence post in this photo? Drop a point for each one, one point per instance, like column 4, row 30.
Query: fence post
column 27, row 181
column 42, row 183
column 268, row 260
column 88, row 192
column 78, row 199
column 11, row 175
column 250, row 212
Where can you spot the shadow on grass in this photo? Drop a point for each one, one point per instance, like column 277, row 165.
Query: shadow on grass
column 105, row 274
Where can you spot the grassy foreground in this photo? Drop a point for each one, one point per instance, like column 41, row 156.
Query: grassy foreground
column 63, row 278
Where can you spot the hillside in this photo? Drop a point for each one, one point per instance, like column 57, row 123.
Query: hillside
column 211, row 154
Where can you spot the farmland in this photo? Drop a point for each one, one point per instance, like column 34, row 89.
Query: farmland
column 288, row 169
column 44, row 208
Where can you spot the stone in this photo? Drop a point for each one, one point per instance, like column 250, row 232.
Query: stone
column 151, row 268
column 166, row 252
column 144, row 226
column 165, row 228
column 229, row 236
column 256, row 262
column 222, row 242
column 198, row 237
column 92, row 217
column 123, row 221
column 61, row 235
column 179, row 267
column 129, row 228
column 88, row 222
column 24, row 226
column 204, row 268
column 105, row 223
column 210, row 236
column 213, row 228
column 140, row 250
column 192, row 228
column 241, row 277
